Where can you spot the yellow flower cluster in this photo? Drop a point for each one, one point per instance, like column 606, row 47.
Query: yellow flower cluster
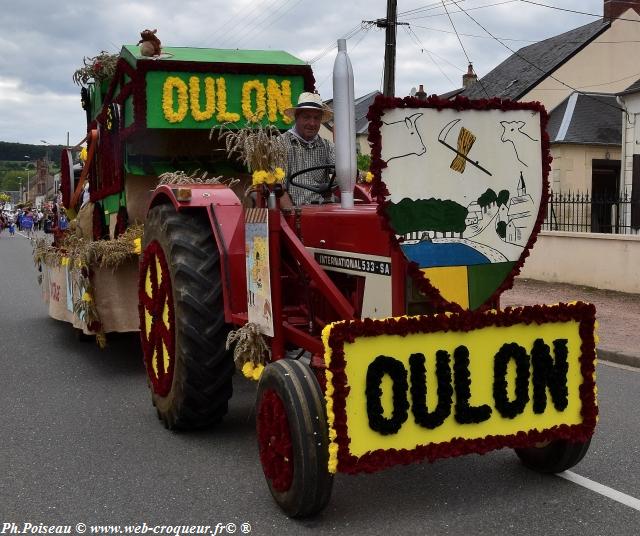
column 194, row 98
column 137, row 245
column 332, row 464
column 271, row 100
column 251, row 371
column 83, row 154
column 263, row 176
column 224, row 116
column 279, row 100
column 86, row 297
column 261, row 104
column 171, row 83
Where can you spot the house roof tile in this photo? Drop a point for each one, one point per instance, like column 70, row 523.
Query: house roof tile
column 521, row 71
column 590, row 119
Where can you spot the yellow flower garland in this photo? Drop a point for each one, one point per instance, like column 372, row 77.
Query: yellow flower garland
column 171, row 115
column 194, row 98
column 332, row 464
column 261, row 105
column 279, row 99
column 263, row 176
column 137, row 245
column 224, row 116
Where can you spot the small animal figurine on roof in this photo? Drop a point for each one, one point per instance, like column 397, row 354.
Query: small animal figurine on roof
column 149, row 44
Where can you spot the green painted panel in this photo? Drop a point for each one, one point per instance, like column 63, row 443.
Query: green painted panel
column 484, row 279
column 155, row 82
column 131, row 53
column 111, row 203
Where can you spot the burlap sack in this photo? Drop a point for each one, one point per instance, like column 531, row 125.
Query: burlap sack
column 84, row 222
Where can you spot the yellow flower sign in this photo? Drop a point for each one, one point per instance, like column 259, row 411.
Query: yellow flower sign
column 195, row 100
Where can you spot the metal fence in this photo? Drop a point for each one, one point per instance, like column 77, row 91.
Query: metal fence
column 584, row 212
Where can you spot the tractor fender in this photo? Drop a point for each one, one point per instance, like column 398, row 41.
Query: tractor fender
column 226, row 217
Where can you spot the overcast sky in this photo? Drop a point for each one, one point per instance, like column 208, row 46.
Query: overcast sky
column 43, row 42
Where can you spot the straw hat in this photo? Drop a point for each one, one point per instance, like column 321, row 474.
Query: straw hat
column 310, row 101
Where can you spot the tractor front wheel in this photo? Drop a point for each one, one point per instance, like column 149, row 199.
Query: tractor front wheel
column 293, row 438
column 554, row 457
column 183, row 332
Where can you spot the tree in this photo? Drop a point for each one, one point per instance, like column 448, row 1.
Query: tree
column 501, row 229
column 436, row 215
column 487, row 198
column 503, row 197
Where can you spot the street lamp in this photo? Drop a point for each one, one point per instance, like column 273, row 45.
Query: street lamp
column 28, row 182
column 21, row 192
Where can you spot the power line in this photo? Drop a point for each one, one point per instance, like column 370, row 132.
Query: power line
column 259, row 21
column 416, row 39
column 366, row 32
column 456, row 32
column 460, row 10
column 527, row 61
column 264, row 27
column 430, row 7
column 351, row 33
column 239, row 21
column 573, row 10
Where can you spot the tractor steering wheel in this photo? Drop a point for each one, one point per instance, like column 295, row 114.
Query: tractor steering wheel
column 320, row 189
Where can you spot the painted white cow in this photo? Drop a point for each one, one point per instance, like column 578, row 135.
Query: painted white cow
column 406, row 135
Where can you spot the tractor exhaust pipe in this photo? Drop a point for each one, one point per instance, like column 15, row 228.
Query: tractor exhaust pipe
column 344, row 122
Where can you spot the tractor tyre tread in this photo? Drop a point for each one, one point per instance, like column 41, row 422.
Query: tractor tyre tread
column 202, row 383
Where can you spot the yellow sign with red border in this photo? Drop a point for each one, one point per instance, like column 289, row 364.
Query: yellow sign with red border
column 405, row 389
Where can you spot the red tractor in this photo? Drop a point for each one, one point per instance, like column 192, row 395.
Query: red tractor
column 326, row 264
column 385, row 299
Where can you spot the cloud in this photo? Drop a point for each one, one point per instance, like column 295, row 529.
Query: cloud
column 43, row 44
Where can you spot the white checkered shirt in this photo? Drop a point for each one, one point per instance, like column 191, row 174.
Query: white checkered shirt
column 301, row 155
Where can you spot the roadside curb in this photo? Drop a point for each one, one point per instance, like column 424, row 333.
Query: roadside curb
column 617, row 357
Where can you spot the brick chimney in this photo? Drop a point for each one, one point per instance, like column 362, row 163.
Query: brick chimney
column 470, row 78
column 421, row 93
column 615, row 8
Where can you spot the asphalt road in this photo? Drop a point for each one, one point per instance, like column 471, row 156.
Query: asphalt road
column 80, row 443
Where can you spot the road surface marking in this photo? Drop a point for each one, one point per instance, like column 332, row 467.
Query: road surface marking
column 618, row 365
column 616, row 495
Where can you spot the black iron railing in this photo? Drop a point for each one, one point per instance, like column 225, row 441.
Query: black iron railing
column 588, row 213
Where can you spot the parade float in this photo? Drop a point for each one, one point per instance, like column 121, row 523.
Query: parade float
column 372, row 324
column 149, row 115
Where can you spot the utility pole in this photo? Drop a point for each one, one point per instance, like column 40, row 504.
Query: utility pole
column 389, row 86
column 390, row 24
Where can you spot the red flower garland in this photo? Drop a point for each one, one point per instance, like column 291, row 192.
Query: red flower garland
column 380, row 192
column 274, row 441
column 348, row 331
column 154, row 305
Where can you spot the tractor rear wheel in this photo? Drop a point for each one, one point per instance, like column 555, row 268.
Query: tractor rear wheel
column 555, row 457
column 293, row 438
column 183, row 333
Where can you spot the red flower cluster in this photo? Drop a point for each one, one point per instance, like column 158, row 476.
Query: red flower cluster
column 464, row 321
column 380, row 192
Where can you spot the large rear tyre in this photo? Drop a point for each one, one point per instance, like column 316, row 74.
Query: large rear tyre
column 557, row 456
column 183, row 332
column 293, row 438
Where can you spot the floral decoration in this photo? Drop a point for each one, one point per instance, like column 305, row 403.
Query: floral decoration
column 263, row 176
column 252, row 371
column 157, row 324
column 380, row 193
column 168, row 105
column 337, row 335
column 261, row 104
column 274, row 441
column 279, row 100
column 223, row 115
column 194, row 98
